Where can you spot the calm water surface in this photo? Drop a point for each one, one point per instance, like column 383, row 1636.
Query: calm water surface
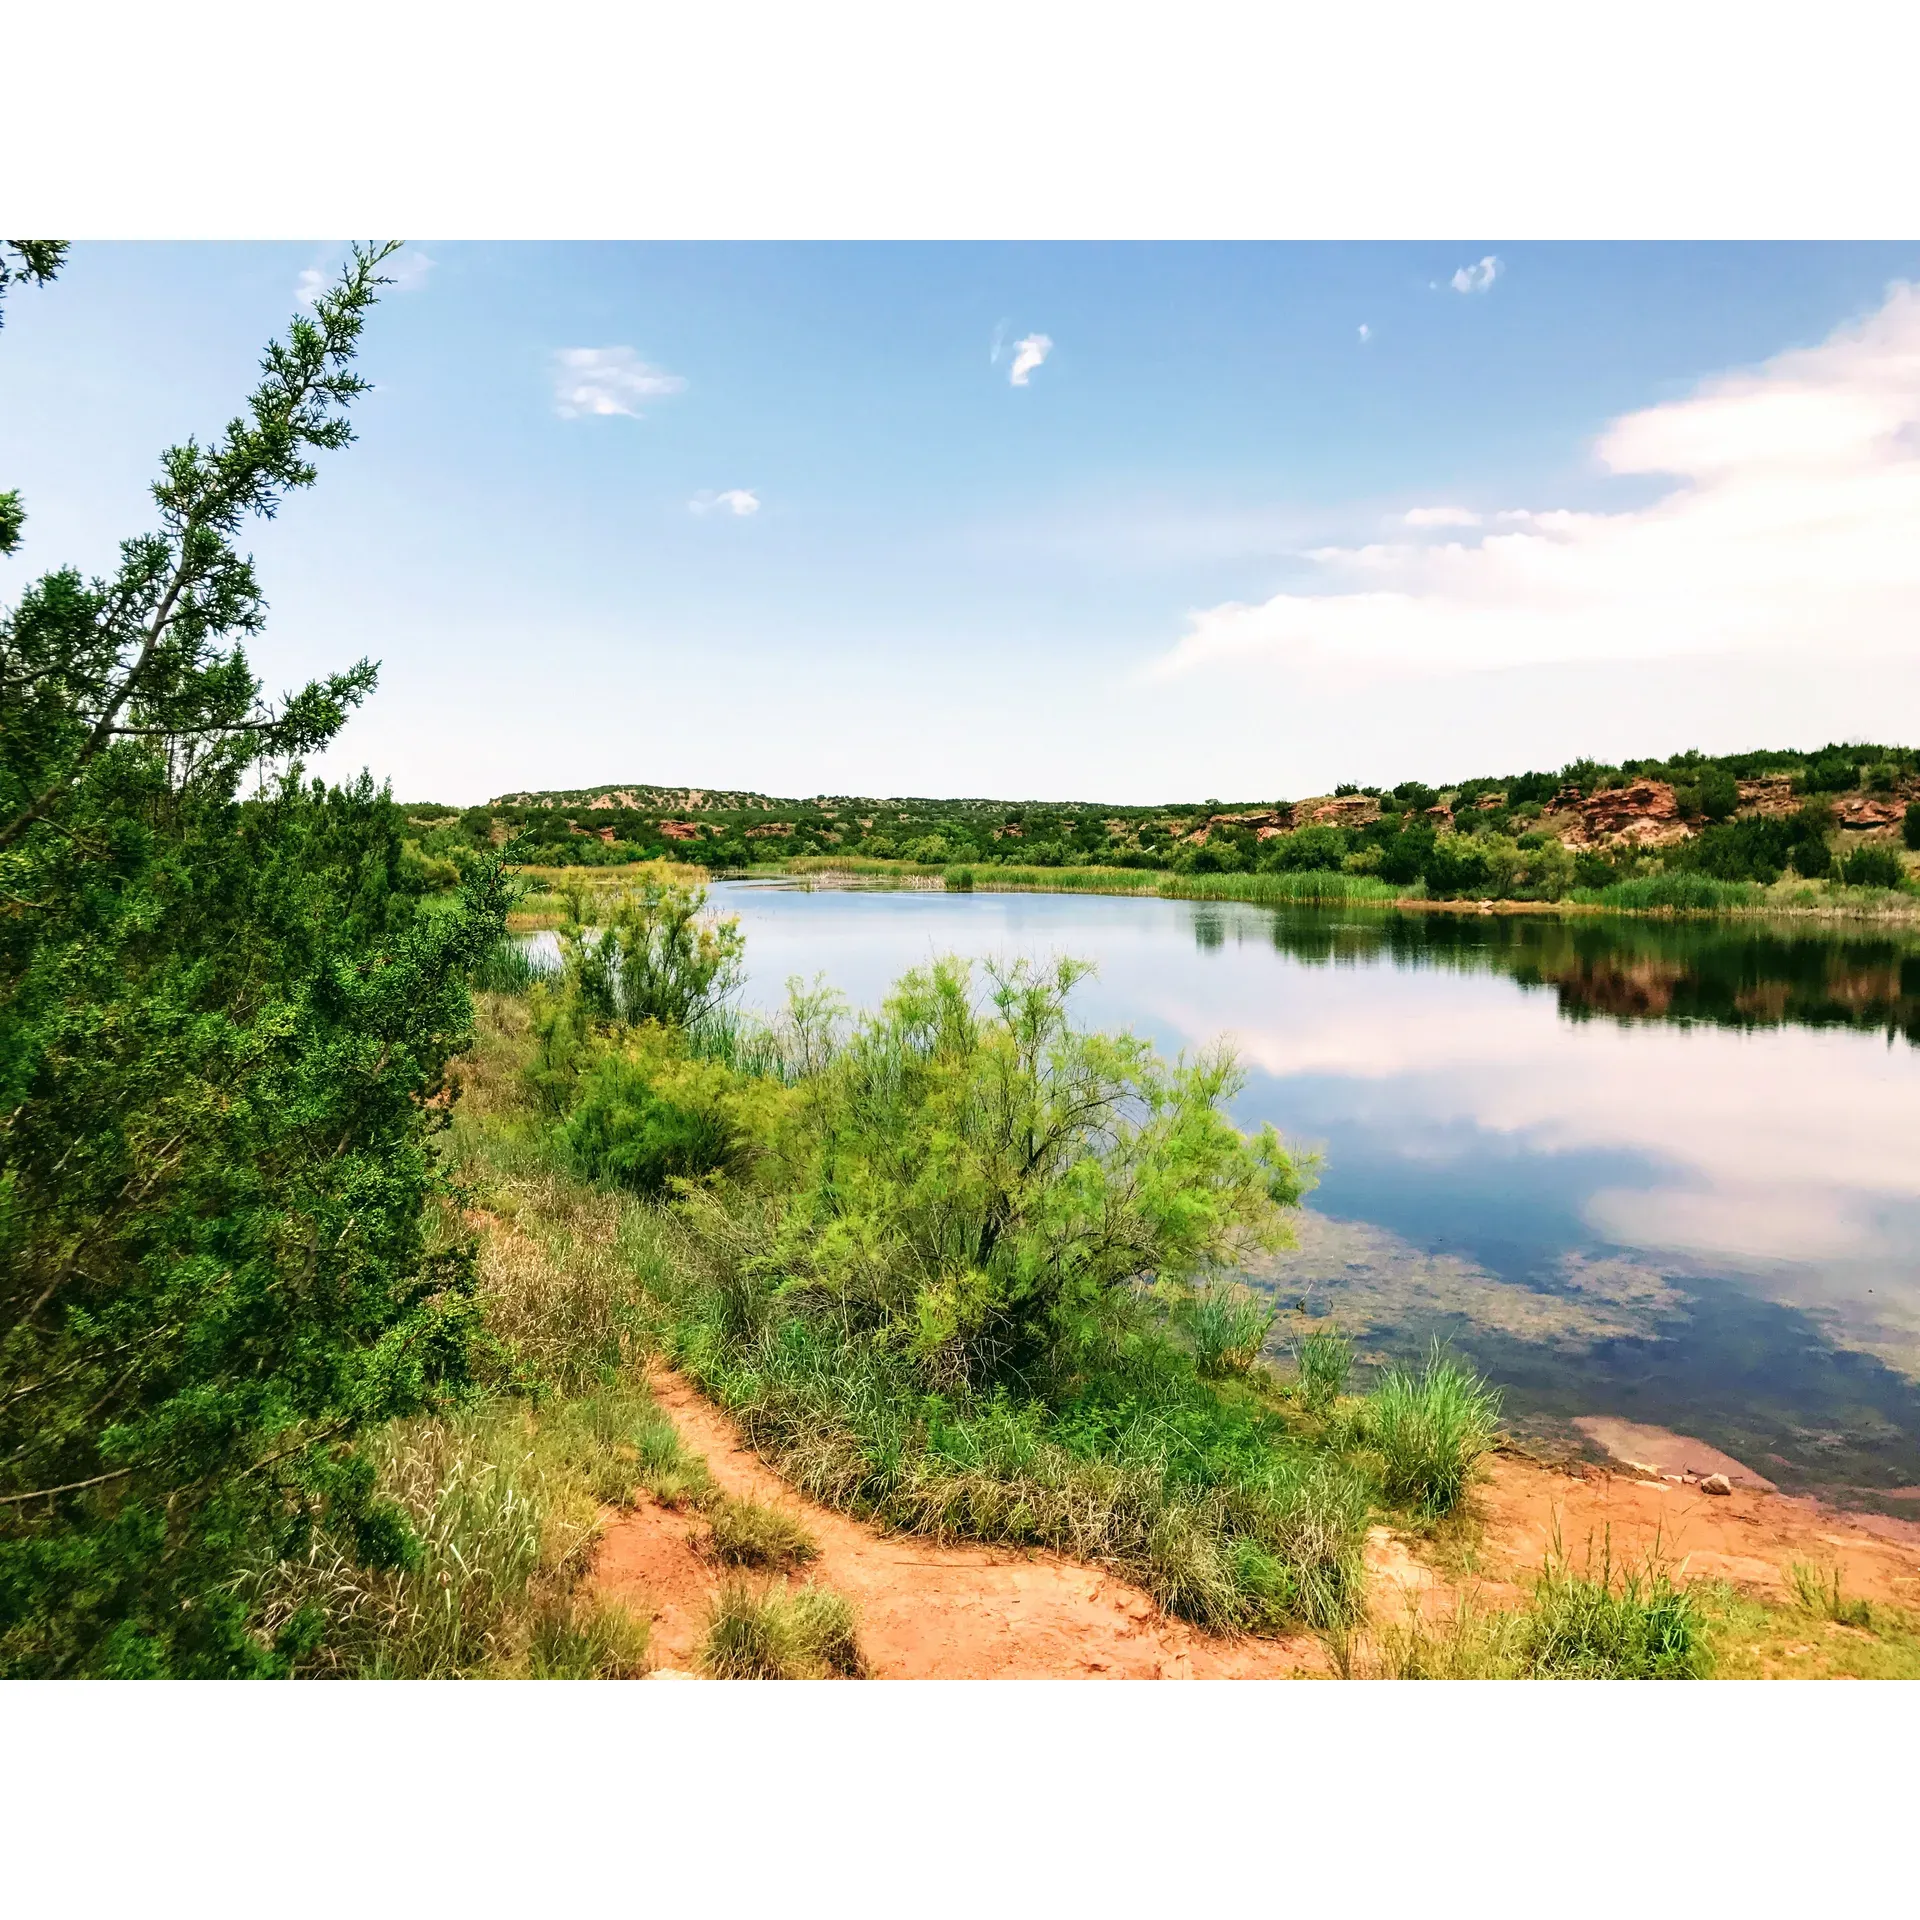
column 1667, row 1173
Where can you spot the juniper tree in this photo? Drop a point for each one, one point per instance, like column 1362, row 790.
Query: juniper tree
column 225, row 1027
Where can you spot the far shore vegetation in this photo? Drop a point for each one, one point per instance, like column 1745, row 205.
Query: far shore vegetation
column 1832, row 831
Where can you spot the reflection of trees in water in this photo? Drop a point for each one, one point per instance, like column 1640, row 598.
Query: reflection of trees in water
column 1736, row 974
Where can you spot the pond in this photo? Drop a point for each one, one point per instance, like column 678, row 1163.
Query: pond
column 1666, row 1173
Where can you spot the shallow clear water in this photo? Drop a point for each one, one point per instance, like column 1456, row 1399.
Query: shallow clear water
column 1668, row 1173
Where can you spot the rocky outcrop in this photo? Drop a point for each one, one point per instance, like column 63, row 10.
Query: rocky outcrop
column 1863, row 812
column 1774, row 797
column 1347, row 810
column 1644, row 813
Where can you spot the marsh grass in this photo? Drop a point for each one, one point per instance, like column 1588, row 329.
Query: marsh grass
column 1431, row 1429
column 772, row 1633
column 1324, row 1359
column 746, row 1533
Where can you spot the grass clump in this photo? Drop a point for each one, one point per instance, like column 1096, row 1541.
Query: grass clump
column 1431, row 1429
column 1324, row 1359
column 747, row 1533
column 1227, row 1326
column 598, row 1641
column 770, row 1633
column 1636, row 1625
column 1819, row 1591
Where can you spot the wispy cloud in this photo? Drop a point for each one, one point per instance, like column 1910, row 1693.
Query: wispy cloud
column 738, row 501
column 1441, row 517
column 1788, row 530
column 409, row 268
column 1478, row 277
column 1027, row 355
column 1366, row 333
column 999, row 343
column 310, row 286
column 607, row 380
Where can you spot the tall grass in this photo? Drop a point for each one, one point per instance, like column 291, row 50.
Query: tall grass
column 1324, row 1358
column 511, row 966
column 1431, row 1429
column 1226, row 1325
column 503, row 1510
column 1634, row 1624
column 1204, row 1504
column 1681, row 892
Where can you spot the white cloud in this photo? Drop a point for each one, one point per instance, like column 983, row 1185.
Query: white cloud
column 606, row 380
column 1027, row 355
column 1478, row 277
column 738, row 501
column 1790, row 532
column 310, row 286
column 1366, row 333
column 409, row 268
column 1441, row 517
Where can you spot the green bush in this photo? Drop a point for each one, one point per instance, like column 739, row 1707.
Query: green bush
column 643, row 1118
column 985, row 1184
column 1910, row 826
column 1873, row 867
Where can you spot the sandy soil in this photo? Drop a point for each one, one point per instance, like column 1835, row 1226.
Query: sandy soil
column 930, row 1612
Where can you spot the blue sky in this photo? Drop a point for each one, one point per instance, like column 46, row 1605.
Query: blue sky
column 1660, row 496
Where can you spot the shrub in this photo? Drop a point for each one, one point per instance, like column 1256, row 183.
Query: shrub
column 959, row 880
column 983, row 1185
column 766, row 1633
column 1431, row 1429
column 748, row 1534
column 659, row 958
column 1227, row 1325
column 1307, row 849
column 1873, row 867
column 1910, row 826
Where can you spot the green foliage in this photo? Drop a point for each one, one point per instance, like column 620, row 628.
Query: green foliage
column 959, row 879
column 1910, row 826
column 1873, row 867
column 225, row 1029
column 767, row 1633
column 659, row 958
column 645, row 1115
column 1431, row 1429
column 980, row 1185
column 746, row 1533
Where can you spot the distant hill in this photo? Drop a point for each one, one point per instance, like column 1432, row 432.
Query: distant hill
column 1730, row 817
